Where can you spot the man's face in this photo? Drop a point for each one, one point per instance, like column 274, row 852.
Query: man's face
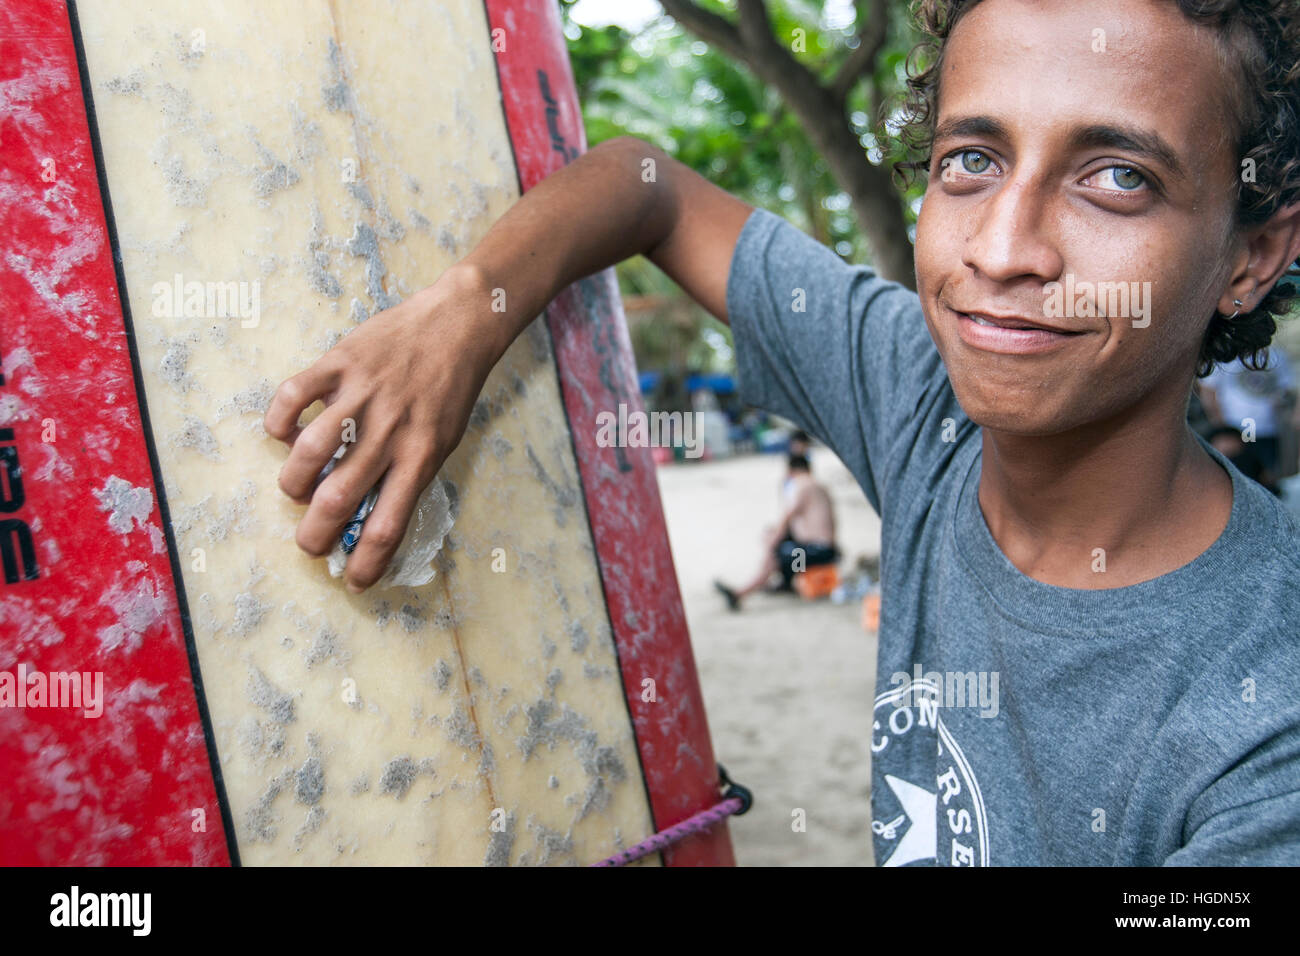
column 1085, row 144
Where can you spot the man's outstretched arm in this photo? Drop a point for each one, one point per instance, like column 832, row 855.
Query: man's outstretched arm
column 408, row 377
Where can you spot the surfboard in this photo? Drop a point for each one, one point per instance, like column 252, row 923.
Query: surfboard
column 195, row 204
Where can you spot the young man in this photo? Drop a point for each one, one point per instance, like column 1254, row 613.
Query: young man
column 1119, row 605
column 803, row 537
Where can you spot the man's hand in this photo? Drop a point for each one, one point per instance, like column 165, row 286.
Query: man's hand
column 401, row 387
column 407, row 379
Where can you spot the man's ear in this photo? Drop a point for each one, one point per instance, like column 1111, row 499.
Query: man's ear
column 1272, row 249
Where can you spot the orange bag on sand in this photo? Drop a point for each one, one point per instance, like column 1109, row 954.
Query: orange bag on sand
column 817, row 582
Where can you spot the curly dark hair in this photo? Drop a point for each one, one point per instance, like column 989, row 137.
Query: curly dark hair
column 1261, row 39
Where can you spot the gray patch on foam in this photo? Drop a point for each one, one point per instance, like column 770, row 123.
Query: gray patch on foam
column 321, row 279
column 249, row 612
column 361, row 193
column 307, row 138
column 602, row 764
column 234, row 515
column 565, row 497
column 324, row 646
column 499, row 445
column 251, row 737
column 480, row 415
column 578, row 638
column 172, row 367
column 446, row 240
column 130, row 85
column 270, row 698
column 255, row 399
column 195, row 434
column 546, row 729
column 187, row 51
column 364, row 244
column 500, row 843
column 261, row 818
column 441, row 675
column 411, row 618
column 550, row 843
column 399, row 775
column 310, row 824
column 595, row 799
column 337, row 93
column 389, row 227
column 607, row 763
column 318, row 260
column 273, row 174
column 460, row 729
column 185, row 191
column 309, row 782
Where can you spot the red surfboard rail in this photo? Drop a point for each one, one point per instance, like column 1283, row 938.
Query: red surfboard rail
column 597, row 374
column 88, row 583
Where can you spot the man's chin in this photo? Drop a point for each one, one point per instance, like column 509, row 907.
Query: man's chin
column 1020, row 426
column 1020, row 416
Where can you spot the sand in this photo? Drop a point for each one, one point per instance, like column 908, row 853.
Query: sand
column 788, row 683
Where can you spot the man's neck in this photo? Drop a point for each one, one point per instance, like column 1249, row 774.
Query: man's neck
column 1105, row 506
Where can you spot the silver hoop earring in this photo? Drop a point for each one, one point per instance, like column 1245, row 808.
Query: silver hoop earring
column 1237, row 303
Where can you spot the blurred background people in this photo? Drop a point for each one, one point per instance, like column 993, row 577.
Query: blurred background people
column 1258, row 405
column 803, row 537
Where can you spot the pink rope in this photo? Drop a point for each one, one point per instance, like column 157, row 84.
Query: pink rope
column 675, row 834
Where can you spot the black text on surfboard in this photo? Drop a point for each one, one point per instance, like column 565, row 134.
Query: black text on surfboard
column 15, row 537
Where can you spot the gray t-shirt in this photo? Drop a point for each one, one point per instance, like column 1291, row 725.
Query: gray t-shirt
column 1017, row 722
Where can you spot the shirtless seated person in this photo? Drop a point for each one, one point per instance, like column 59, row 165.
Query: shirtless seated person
column 804, row 536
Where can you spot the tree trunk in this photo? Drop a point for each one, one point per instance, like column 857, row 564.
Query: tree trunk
column 821, row 110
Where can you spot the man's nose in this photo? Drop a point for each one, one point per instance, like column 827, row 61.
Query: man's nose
column 1014, row 234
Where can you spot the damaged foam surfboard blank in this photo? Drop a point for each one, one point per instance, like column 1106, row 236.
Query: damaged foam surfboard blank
column 412, row 563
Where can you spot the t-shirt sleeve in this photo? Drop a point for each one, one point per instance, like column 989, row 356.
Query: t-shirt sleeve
column 833, row 347
column 1251, row 815
column 1264, row 833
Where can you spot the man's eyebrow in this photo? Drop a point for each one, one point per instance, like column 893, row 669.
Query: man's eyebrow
column 971, row 126
column 1142, row 142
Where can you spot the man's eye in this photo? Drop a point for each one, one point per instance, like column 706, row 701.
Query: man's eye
column 973, row 161
column 1124, row 178
column 967, row 160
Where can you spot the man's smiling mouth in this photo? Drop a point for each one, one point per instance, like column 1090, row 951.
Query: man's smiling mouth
column 1010, row 334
